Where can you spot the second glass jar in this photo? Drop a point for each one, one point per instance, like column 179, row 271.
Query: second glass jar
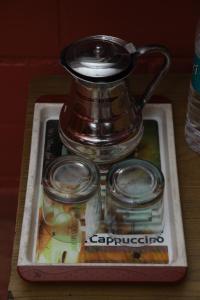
column 134, row 199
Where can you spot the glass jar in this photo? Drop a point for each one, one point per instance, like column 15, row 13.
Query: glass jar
column 72, row 203
column 134, row 199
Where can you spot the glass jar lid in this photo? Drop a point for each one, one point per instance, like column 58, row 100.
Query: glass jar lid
column 135, row 182
column 71, row 179
column 99, row 58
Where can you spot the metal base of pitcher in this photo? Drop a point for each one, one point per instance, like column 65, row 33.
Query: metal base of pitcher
column 103, row 154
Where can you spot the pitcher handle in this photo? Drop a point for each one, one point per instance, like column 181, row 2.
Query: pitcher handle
column 161, row 73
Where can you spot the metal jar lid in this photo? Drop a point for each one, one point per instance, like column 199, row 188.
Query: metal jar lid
column 99, row 58
column 71, row 179
column 135, row 183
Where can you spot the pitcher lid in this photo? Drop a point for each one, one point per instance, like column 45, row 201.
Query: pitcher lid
column 99, row 58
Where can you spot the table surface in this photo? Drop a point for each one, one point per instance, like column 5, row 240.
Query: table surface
column 174, row 89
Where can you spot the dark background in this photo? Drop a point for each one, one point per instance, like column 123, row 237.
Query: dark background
column 32, row 33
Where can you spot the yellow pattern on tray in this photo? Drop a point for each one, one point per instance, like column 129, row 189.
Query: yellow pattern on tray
column 50, row 250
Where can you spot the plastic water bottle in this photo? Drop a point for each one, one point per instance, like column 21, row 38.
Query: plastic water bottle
column 192, row 127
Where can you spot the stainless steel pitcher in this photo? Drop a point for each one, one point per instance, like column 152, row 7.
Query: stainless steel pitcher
column 101, row 120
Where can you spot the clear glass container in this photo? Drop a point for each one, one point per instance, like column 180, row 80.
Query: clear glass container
column 134, row 199
column 72, row 203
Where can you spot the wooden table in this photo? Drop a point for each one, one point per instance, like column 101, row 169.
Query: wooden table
column 175, row 88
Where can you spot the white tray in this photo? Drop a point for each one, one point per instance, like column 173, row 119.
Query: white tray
column 172, row 236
